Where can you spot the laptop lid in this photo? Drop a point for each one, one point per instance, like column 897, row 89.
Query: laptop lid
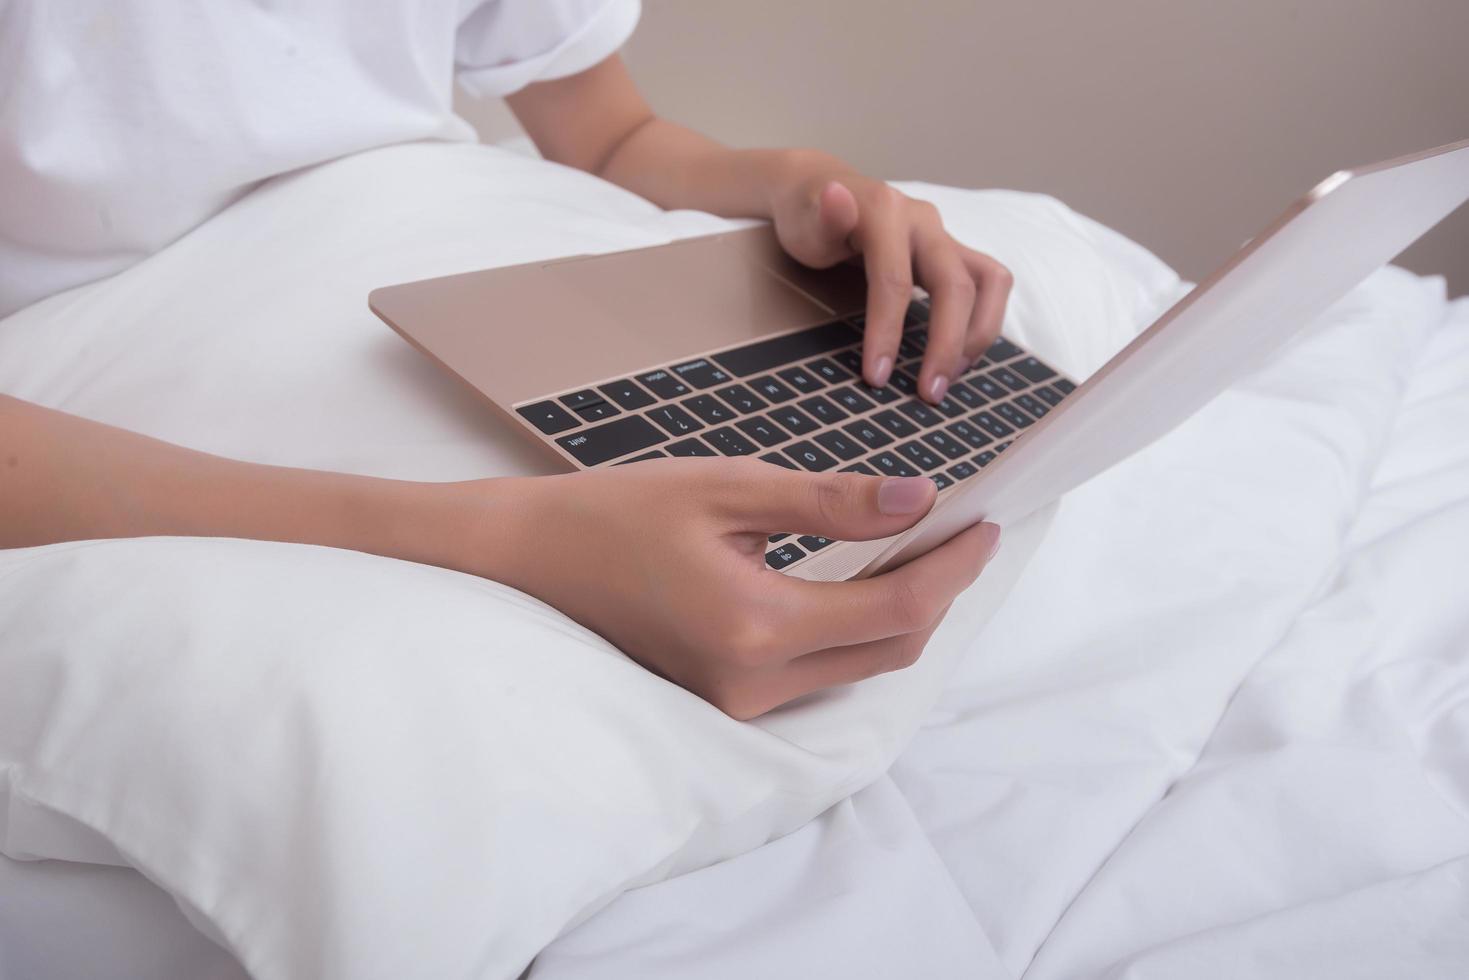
column 1325, row 244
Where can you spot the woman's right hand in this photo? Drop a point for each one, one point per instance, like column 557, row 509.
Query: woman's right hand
column 665, row 559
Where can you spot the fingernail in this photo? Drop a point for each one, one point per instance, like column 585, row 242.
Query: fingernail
column 937, row 388
column 903, row 494
column 994, row 541
column 882, row 372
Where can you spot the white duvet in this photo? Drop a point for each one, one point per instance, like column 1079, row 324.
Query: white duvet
column 1218, row 727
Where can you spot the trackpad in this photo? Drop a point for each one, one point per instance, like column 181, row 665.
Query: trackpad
column 686, row 297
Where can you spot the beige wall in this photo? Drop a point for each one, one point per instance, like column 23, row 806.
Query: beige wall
column 1187, row 125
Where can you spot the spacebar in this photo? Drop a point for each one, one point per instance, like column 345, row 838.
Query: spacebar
column 604, row 442
column 780, row 351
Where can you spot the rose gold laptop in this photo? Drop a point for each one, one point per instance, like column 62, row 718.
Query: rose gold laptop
column 722, row 345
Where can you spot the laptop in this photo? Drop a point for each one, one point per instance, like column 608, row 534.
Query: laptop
column 723, row 346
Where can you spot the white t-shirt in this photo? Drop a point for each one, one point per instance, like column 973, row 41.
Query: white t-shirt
column 125, row 123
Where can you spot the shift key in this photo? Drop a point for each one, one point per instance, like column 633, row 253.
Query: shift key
column 604, row 442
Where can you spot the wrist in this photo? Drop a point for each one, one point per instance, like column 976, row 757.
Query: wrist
column 789, row 173
column 481, row 527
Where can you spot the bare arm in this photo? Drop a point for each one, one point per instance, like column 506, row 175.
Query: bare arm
column 703, row 611
column 64, row 478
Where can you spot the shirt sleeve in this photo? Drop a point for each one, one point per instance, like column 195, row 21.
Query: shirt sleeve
column 504, row 45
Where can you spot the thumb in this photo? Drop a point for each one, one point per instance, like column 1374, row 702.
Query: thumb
column 818, row 233
column 843, row 506
column 836, row 214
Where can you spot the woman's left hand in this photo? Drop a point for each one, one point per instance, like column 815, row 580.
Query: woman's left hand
column 825, row 213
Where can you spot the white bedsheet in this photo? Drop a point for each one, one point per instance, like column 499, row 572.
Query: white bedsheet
column 1220, row 727
column 1243, row 749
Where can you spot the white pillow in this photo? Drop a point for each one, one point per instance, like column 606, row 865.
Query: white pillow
column 347, row 766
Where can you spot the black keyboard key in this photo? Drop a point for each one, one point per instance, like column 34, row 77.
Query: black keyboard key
column 990, row 424
column 675, row 420
column 832, row 374
column 917, row 314
column 786, row 554
column 800, row 379
column 610, row 440
column 741, row 399
column 729, row 442
column 800, row 346
column 849, row 399
column 795, row 420
column 883, row 396
column 655, row 454
column 840, row 444
column 772, row 390
column 626, row 393
column 946, row 444
column 906, row 348
column 888, row 464
column 762, row 430
column 985, row 458
column 1063, row 386
column 663, row 384
column 970, row 434
column 918, row 453
column 952, row 409
column 701, row 373
column 1049, row 395
column 851, row 360
column 777, row 538
column 597, row 411
column 921, row 414
column 822, row 410
column 581, row 399
column 871, row 435
column 1002, row 446
column 988, row 388
column 961, row 392
column 778, row 460
column 709, row 408
column 1008, row 378
column 1032, row 405
column 1002, row 350
column 895, row 423
column 904, row 382
column 814, row 542
column 963, row 471
column 549, row 417
column 1033, row 369
column 809, row 457
column 1013, row 415
column 941, row 481
column 690, row 447
column 862, row 468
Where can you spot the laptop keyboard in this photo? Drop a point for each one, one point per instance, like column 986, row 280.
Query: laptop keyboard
column 798, row 401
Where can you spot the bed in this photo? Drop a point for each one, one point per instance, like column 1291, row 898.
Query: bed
column 1216, row 722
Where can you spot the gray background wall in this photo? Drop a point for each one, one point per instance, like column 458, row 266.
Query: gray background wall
column 1185, row 124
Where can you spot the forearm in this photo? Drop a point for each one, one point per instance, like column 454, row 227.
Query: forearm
column 675, row 167
column 64, row 478
column 597, row 121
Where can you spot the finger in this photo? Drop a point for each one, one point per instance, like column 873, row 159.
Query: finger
column 844, row 506
column 994, row 281
column 952, row 289
column 847, row 665
column 836, row 218
column 801, row 617
column 883, row 237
